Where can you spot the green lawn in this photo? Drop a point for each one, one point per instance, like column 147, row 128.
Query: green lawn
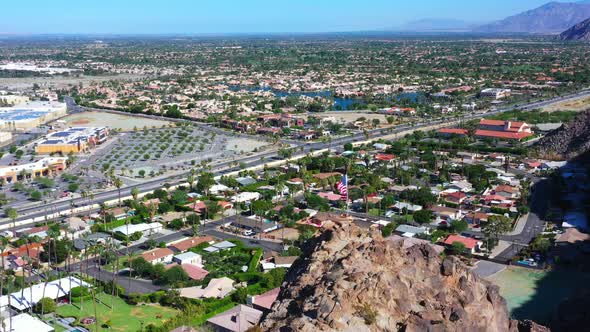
column 532, row 294
column 123, row 317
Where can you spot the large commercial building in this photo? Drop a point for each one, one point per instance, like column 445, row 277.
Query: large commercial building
column 495, row 93
column 42, row 167
column 495, row 129
column 12, row 99
column 30, row 115
column 74, row 140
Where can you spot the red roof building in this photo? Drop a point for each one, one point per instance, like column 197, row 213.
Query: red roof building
column 469, row 243
column 384, row 157
column 453, row 131
column 194, row 272
column 192, row 242
column 502, row 134
column 264, row 301
column 456, row 197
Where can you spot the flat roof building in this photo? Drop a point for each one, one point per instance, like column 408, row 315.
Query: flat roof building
column 26, row 323
column 30, row 114
column 42, row 167
column 74, row 139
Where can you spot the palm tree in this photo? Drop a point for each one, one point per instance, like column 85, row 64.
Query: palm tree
column 3, row 244
column 12, row 214
column 117, row 182
column 135, row 193
column 191, row 179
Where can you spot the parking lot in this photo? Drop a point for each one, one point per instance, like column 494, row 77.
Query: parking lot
column 154, row 152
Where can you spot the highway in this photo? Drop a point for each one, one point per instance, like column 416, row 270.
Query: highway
column 258, row 160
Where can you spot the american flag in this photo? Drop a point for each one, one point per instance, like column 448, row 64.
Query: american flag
column 343, row 186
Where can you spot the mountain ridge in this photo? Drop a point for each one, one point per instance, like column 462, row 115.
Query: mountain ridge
column 580, row 31
column 552, row 17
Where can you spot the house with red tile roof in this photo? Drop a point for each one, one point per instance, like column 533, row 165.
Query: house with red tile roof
column 384, row 157
column 330, row 196
column 456, row 197
column 452, row 131
column 506, row 191
column 471, row 245
column 159, row 255
column 476, row 218
column 184, row 245
column 193, row 271
column 264, row 301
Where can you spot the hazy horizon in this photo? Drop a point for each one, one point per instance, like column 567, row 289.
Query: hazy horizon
column 153, row 17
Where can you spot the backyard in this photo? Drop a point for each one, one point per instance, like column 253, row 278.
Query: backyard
column 123, row 317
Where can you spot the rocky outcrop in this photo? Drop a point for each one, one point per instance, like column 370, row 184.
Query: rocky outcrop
column 569, row 141
column 350, row 279
column 580, row 31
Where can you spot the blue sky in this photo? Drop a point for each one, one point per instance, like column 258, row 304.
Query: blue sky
column 245, row 16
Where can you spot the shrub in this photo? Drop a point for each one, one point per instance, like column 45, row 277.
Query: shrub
column 367, row 312
column 80, row 294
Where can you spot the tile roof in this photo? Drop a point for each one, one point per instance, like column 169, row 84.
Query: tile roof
column 157, row 254
column 468, row 242
column 191, row 242
column 265, row 300
column 502, row 134
column 237, row 319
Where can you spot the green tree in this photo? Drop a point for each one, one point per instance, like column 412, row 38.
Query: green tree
column 204, row 183
column 36, row 195
column 388, row 229
column 174, row 275
column 459, row 226
column 423, row 216
column 45, row 305
column 496, row 226
column 12, row 214
column 457, row 248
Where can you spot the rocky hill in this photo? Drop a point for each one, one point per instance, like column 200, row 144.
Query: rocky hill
column 580, row 31
column 553, row 17
column 351, row 280
column 569, row 141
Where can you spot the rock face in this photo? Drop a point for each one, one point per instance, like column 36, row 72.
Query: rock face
column 567, row 142
column 580, row 31
column 552, row 17
column 351, row 280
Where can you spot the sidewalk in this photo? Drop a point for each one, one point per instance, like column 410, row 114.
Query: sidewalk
column 502, row 245
column 520, row 223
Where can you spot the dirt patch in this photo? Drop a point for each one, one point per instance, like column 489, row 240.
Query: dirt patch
column 80, row 122
column 579, row 104
column 114, row 121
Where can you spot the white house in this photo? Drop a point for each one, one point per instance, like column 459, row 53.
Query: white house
column 160, row 255
column 151, row 228
column 188, row 258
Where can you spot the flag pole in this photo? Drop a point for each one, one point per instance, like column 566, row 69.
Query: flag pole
column 347, row 205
